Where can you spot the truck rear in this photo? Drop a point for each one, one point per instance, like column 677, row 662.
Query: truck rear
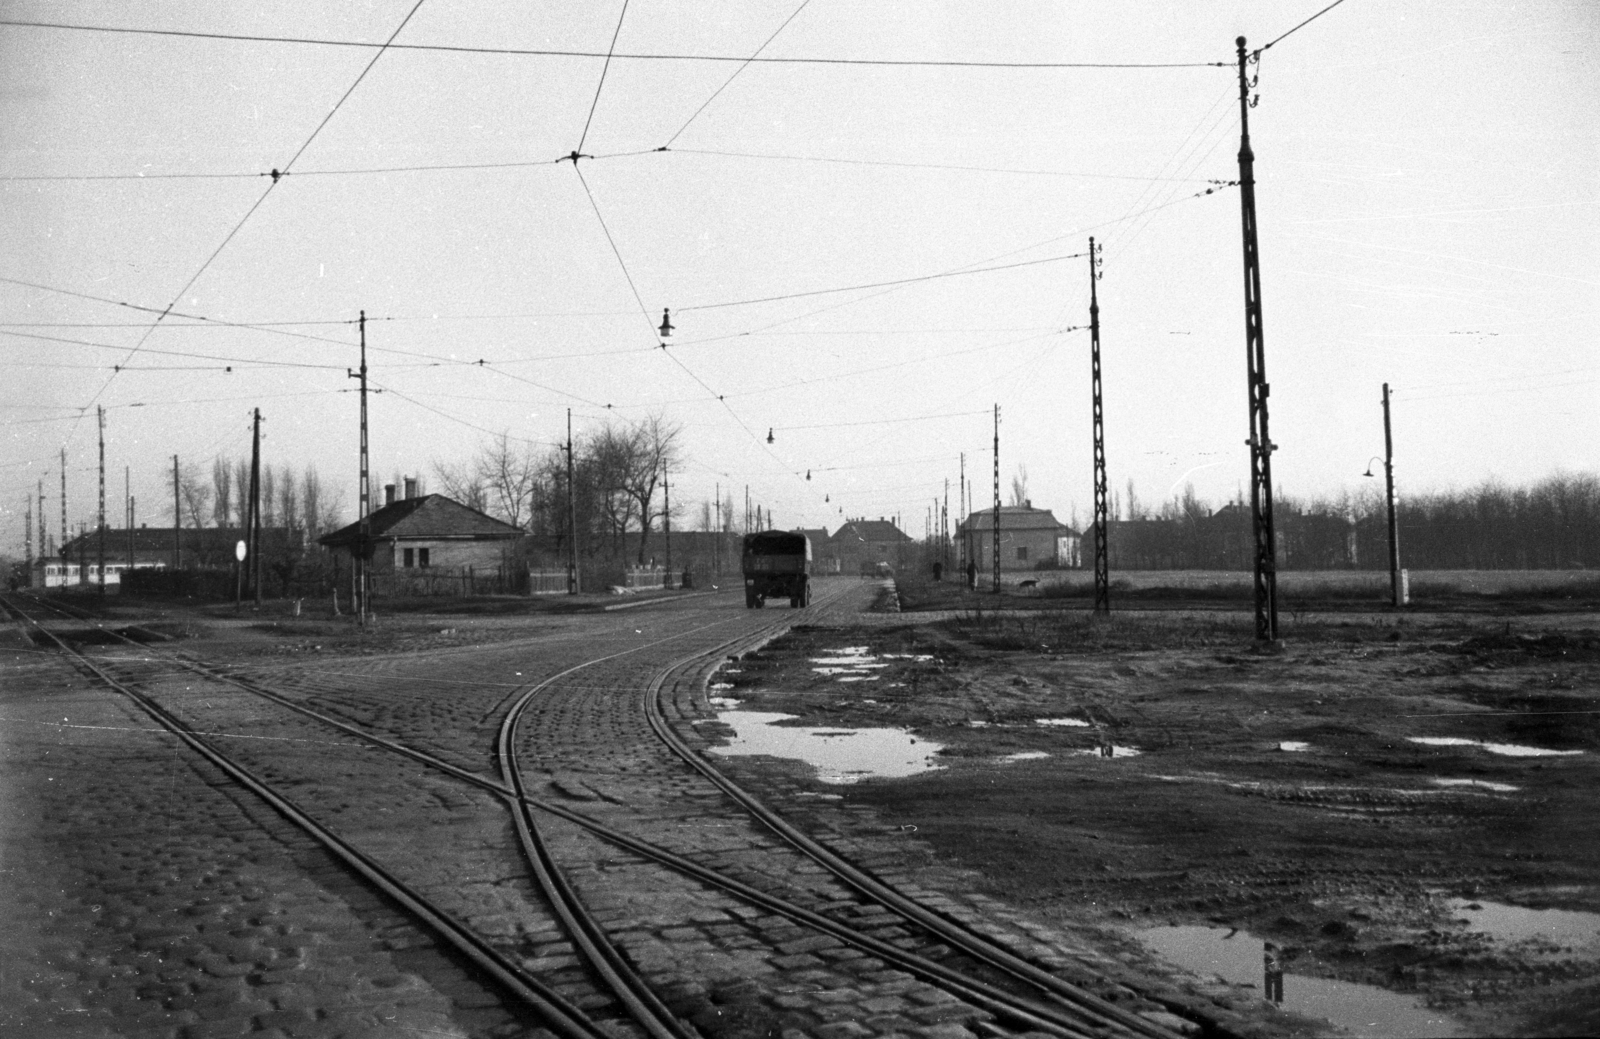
column 776, row 563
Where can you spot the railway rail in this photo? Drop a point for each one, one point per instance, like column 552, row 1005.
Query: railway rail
column 850, row 907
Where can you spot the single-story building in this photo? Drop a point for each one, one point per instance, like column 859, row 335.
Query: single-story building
column 1029, row 538
column 427, row 532
column 862, row 543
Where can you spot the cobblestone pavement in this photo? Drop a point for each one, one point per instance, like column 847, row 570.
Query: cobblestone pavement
column 148, row 896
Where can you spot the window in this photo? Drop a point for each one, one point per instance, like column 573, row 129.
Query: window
column 422, row 557
column 410, row 560
column 1022, row 553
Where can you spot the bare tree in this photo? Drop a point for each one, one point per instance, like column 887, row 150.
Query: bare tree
column 288, row 498
column 1019, row 486
column 463, row 483
column 196, row 495
column 241, row 480
column 311, row 496
column 509, row 473
column 269, row 497
column 653, row 447
column 222, row 492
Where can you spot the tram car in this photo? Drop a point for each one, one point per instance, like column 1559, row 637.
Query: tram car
column 776, row 563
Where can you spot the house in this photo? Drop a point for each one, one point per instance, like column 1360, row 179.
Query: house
column 862, row 544
column 821, row 563
column 147, row 548
column 428, row 532
column 1030, row 539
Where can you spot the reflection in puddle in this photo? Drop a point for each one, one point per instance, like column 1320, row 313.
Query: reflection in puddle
column 1481, row 784
column 1026, row 755
column 1242, row 959
column 720, row 685
column 1580, row 932
column 858, row 678
column 838, row 755
column 1510, row 750
column 724, row 702
column 1076, row 723
column 1294, row 746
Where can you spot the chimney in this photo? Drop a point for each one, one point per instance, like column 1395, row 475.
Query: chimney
column 388, row 494
column 411, row 487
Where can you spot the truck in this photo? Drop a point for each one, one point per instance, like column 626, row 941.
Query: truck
column 776, row 563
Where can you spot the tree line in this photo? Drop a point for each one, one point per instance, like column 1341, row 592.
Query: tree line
column 299, row 502
column 1552, row 524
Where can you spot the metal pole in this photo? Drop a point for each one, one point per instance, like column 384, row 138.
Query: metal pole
column 666, row 520
column 997, row 499
column 1102, row 557
column 102, row 533
column 1261, row 446
column 961, row 507
column 65, row 559
column 363, row 584
column 1394, row 526
column 127, row 508
column 572, row 517
column 716, row 544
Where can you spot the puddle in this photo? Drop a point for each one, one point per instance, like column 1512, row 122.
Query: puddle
column 1574, row 931
column 979, row 724
column 858, row 678
column 1116, row 752
column 1076, row 723
column 1026, row 755
column 1294, row 746
column 1510, row 750
column 720, row 685
column 838, row 755
column 1481, row 784
column 724, row 702
column 1363, row 1010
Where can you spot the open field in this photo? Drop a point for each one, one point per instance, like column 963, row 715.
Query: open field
column 1283, row 795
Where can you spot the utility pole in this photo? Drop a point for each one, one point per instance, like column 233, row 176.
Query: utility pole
column 177, row 521
column 253, row 531
column 1102, row 557
column 1397, row 593
column 1261, row 446
column 101, row 414
column 572, row 517
column 666, row 520
column 27, row 549
column 364, row 491
column 961, row 507
column 127, row 509
column 65, row 559
column 997, row 499
column 716, row 552
column 944, row 525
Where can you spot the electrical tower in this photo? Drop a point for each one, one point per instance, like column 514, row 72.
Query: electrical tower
column 1261, row 446
column 64, row 558
column 253, row 524
column 1102, row 565
column 363, row 490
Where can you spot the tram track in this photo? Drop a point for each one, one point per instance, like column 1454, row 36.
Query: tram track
column 1055, row 1006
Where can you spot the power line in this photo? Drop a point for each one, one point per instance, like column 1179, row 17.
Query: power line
column 909, row 165
column 601, row 85
column 882, row 421
column 746, row 64
column 880, row 284
column 553, row 53
column 1305, row 23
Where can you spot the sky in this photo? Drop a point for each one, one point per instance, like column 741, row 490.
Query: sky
column 869, row 238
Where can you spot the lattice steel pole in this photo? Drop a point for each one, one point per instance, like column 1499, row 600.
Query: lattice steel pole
column 363, row 490
column 1261, row 446
column 1102, row 565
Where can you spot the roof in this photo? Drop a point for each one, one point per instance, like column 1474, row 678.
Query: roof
column 869, row 530
column 1016, row 517
column 428, row 517
column 817, row 535
column 153, row 540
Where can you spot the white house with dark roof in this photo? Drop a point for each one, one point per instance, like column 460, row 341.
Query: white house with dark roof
column 1029, row 537
column 429, row 531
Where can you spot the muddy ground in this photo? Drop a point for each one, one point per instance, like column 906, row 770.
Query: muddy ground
column 1346, row 853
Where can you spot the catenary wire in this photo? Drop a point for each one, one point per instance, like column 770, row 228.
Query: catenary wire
column 601, row 85
column 554, row 53
column 1303, row 24
column 744, row 65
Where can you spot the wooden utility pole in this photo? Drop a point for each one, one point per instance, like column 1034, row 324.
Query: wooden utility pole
column 1261, row 446
column 572, row 517
column 65, row 561
column 177, row 520
column 997, row 499
column 666, row 521
column 1396, row 592
column 127, row 509
column 1102, row 557
column 253, row 526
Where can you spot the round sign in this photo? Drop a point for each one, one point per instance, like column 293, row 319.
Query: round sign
column 238, row 551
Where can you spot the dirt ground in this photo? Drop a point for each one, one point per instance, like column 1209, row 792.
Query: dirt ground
column 1346, row 853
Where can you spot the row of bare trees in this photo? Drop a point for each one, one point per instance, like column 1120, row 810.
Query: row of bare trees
column 298, row 502
column 616, row 489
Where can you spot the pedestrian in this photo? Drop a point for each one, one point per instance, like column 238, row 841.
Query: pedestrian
column 972, row 574
column 938, row 571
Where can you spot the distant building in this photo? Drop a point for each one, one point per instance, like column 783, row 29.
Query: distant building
column 147, row 548
column 821, row 563
column 428, row 532
column 1030, row 538
column 863, row 544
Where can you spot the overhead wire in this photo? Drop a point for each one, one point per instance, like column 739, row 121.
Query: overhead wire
column 1302, row 25
column 743, row 65
column 906, row 165
column 625, row 56
column 601, row 85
